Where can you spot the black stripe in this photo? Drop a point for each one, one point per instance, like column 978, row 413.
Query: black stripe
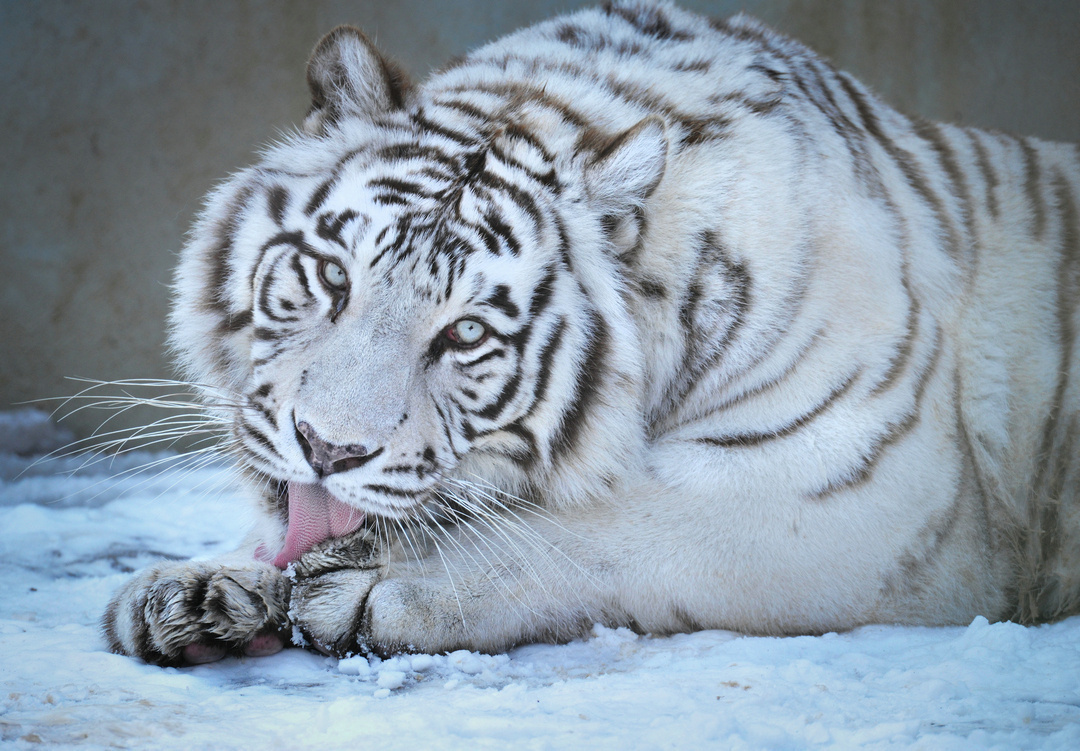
column 740, row 98
column 390, row 199
column 701, row 349
column 542, row 294
column 408, row 151
column 564, row 242
column 301, row 275
column 265, row 306
column 688, row 309
column 514, row 130
column 397, row 186
column 263, row 334
column 225, row 234
column 140, row 631
column 904, row 160
column 800, row 357
column 108, row 627
column 704, row 130
column 742, row 440
column 451, row 135
column 1032, row 176
column 500, row 299
column 493, row 410
column 396, row 492
column 233, row 322
column 503, row 231
column 522, row 93
column 990, row 177
column 547, row 356
column 590, row 376
column 444, row 421
column 650, row 21
column 931, row 133
column 547, row 179
column 277, row 200
column 260, row 438
column 319, row 196
column 519, row 196
column 692, row 66
column 484, row 358
column 491, row 244
column 903, row 351
column 894, row 432
column 1068, row 290
column 402, row 236
column 526, row 458
column 330, row 225
column 260, row 361
column 651, row 288
column 267, row 414
column 465, row 108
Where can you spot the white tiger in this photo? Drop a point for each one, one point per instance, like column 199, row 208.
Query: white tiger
column 630, row 317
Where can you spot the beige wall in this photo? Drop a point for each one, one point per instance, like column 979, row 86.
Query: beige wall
column 116, row 117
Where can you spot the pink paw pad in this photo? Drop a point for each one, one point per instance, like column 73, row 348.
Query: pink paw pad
column 264, row 645
column 198, row 654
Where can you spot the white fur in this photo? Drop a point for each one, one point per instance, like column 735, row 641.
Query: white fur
column 877, row 316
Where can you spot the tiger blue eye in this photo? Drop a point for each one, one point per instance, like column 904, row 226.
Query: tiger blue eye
column 467, row 331
column 332, row 275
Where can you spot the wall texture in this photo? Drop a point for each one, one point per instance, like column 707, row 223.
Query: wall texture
column 117, row 117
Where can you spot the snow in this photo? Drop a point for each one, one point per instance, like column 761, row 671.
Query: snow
column 68, row 540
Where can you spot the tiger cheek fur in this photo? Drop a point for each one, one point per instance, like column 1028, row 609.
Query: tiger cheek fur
column 637, row 318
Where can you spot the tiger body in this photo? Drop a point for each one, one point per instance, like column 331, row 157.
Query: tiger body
column 647, row 320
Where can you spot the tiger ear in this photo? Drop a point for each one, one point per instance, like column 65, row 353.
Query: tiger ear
column 626, row 170
column 347, row 75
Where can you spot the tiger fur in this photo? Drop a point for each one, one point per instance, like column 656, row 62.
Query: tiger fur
column 630, row 317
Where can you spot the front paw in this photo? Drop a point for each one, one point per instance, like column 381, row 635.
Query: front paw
column 193, row 612
column 330, row 586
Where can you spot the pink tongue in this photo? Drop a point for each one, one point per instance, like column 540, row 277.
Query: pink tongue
column 314, row 516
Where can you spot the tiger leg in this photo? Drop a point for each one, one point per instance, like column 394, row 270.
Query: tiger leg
column 189, row 612
column 513, row 583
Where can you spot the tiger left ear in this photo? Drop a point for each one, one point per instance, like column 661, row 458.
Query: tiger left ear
column 347, row 75
column 626, row 170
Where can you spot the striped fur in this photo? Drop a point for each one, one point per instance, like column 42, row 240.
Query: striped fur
column 759, row 352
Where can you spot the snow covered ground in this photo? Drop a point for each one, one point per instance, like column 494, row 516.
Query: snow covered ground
column 68, row 540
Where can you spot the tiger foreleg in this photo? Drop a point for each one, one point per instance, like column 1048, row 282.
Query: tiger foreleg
column 330, row 587
column 480, row 592
column 190, row 612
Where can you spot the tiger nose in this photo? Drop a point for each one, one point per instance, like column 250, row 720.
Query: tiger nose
column 329, row 458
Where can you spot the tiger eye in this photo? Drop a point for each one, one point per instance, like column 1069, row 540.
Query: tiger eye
column 467, row 332
column 333, row 276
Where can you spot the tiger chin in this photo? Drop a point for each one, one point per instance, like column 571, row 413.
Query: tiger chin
column 636, row 318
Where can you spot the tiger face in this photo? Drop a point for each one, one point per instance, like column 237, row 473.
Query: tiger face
column 399, row 323
column 424, row 298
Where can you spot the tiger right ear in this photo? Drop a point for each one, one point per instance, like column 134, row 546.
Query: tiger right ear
column 347, row 75
column 627, row 169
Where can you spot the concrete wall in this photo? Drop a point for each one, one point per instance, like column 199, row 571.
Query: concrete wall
column 116, row 117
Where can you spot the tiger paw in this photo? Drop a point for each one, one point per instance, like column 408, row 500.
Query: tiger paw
column 330, row 586
column 190, row 613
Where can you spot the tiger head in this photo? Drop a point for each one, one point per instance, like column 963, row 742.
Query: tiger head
column 420, row 284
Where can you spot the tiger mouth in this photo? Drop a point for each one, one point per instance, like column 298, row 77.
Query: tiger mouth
column 315, row 515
